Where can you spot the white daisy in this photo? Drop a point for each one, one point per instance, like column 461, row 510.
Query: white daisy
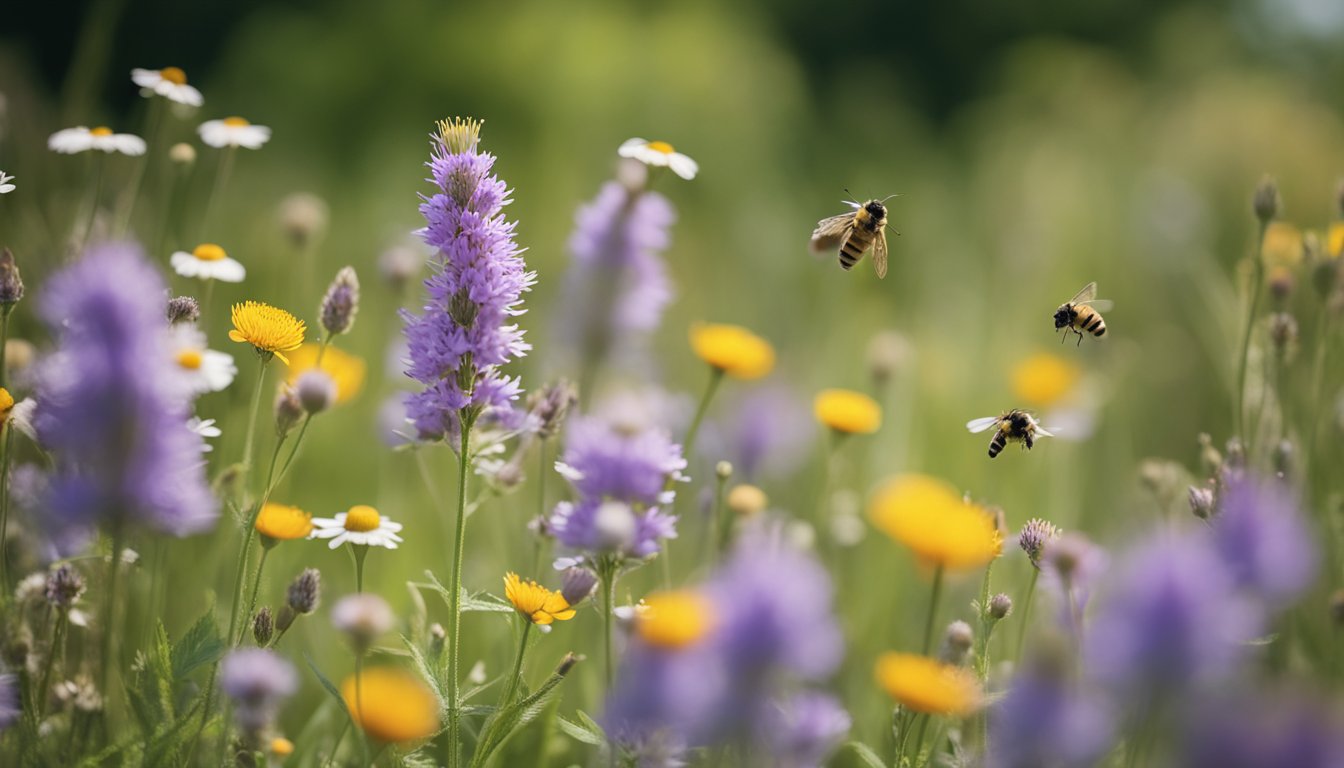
column 208, row 262
column 5, row 186
column 660, row 154
column 205, row 428
column 234, row 132
column 81, row 139
column 361, row 525
column 204, row 370
column 169, row 82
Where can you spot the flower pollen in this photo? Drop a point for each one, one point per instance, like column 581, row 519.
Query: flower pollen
column 209, row 252
column 236, row 122
column 189, row 359
column 661, row 146
column 101, row 130
column 362, row 518
column 675, row 619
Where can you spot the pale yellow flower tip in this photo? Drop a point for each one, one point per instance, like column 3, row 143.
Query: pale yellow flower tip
column 928, row 686
column 847, row 411
column 747, row 500
column 539, row 604
column 283, row 522
column 675, row 619
column 935, row 522
column 1282, row 245
column 394, row 705
column 270, row 330
column 345, row 369
column 1042, row 380
column 733, row 349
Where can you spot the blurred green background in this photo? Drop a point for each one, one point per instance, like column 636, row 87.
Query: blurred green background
column 1035, row 147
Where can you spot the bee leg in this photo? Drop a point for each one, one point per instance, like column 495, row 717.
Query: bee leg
column 1080, row 339
column 1063, row 337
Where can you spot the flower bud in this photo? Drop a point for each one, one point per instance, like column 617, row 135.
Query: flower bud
column 316, row 390
column 182, row 154
column 364, row 617
column 1266, row 202
column 577, row 584
column 304, row 591
column 64, row 586
column 341, row 302
column 1201, row 502
column 183, row 309
column 11, row 283
column 263, row 626
column 303, row 217
column 747, row 500
column 1281, row 283
column 957, row 641
column 550, row 405
column 438, row 638
column 1283, row 333
column 398, row 265
column 288, row 410
column 1000, row 606
column 1035, row 537
column 723, row 470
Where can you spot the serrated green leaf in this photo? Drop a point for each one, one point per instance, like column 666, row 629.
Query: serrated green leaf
column 866, row 755
column 489, row 603
column 201, row 645
column 429, row 672
column 580, row 733
column 509, row 719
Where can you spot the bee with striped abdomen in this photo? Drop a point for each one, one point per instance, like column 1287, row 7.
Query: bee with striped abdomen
column 1082, row 313
column 855, row 233
column 1010, row 426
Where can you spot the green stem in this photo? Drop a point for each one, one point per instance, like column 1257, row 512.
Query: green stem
column 716, row 538
column 539, row 543
column 516, row 679
column 919, row 740
column 359, row 552
column 252, row 418
column 933, row 609
column 256, row 585
column 57, row 644
column 246, row 550
column 114, row 571
column 982, row 655
column 609, row 617
column 688, row 445
column 459, row 536
column 98, row 163
column 1026, row 614
column 6, row 450
column 5, row 311
column 153, row 127
column 1257, row 277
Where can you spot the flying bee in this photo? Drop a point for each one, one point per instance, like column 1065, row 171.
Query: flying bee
column 1083, row 313
column 855, row 233
column 1010, row 426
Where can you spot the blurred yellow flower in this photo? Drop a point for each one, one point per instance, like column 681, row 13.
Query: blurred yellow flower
column 925, row 685
column 1334, row 240
column 282, row 747
column 747, row 500
column 537, row 603
column 1042, row 380
column 931, row 518
column 6, row 404
column 675, row 619
column 270, row 330
column 1283, row 245
column 847, row 411
column 345, row 369
column 394, row 705
column 283, row 522
column 733, row 349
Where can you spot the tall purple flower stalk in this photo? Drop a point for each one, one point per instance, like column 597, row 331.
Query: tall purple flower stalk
column 114, row 409
column 466, row 330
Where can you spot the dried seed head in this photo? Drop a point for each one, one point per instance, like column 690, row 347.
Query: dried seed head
column 304, row 591
column 1201, row 502
column 11, row 284
column 1266, row 202
column 1000, row 606
column 957, row 641
column 183, row 309
column 263, row 626
column 64, row 586
column 341, row 302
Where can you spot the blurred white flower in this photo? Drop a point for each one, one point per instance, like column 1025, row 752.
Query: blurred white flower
column 169, row 82
column 208, row 262
column 72, row 141
column 234, row 132
column 205, row 428
column 204, row 370
column 660, row 154
column 5, row 186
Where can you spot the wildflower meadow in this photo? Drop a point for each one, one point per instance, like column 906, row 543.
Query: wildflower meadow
column 438, row 385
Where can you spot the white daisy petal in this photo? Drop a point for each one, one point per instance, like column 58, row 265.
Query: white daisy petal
column 683, row 166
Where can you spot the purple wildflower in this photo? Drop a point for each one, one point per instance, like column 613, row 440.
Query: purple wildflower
column 465, row 333
column 257, row 680
column 9, row 701
column 803, row 730
column 617, row 287
column 1264, row 542
column 1251, row 732
column 1035, row 535
column 114, row 410
column 771, row 434
column 611, row 527
column 1072, row 565
column 604, row 460
column 1048, row 719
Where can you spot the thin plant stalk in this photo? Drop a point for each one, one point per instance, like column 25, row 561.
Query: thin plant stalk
column 5, row 311
column 1257, row 278
column 933, row 609
column 105, row 659
column 608, row 577
column 688, row 445
column 252, row 417
column 98, row 163
column 715, row 540
column 540, row 545
column 1026, row 614
column 6, row 451
column 57, row 648
column 982, row 654
column 516, row 678
column 459, row 536
column 153, row 127
column 221, row 179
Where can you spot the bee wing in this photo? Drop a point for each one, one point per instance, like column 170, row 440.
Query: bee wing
column 1101, row 305
column 880, row 254
column 830, row 232
column 1086, row 295
column 1043, row 432
column 980, row 425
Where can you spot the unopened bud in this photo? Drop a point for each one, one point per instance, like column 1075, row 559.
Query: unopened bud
column 1265, row 202
column 550, row 405
column 303, row 217
column 182, row 154
column 1209, row 457
column 723, row 470
column 438, row 637
column 263, row 626
column 1281, row 283
column 1201, row 502
column 341, row 302
column 957, row 641
column 304, row 591
column 747, row 500
column 288, row 410
column 577, row 584
column 11, row 283
column 1000, row 606
column 183, row 309
column 316, row 390
column 1283, row 458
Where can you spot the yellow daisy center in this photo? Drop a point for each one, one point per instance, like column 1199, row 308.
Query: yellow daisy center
column 268, row 329
column 190, row 359
column 281, row 521
column 539, row 604
column 733, row 349
column 675, row 619
column 362, row 518
column 848, row 411
column 173, row 75
column 661, row 146
column 392, row 706
column 1042, row 380
column 209, row 252
column 236, row 122
column 928, row 686
column 101, row 130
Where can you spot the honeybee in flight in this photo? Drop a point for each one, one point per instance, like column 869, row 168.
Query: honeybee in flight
column 1083, row 313
column 855, row 233
column 1011, row 426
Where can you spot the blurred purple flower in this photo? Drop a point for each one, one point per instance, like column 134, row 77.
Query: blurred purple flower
column 1255, row 731
column 1264, row 542
column 616, row 288
column 602, row 460
column 611, row 527
column 1047, row 719
column 466, row 331
column 1072, row 566
column 256, row 680
column 114, row 408
column 9, row 701
column 801, row 731
column 771, row 433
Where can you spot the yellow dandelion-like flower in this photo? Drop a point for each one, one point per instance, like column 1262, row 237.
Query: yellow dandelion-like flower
column 270, row 330
column 1042, row 380
column 733, row 349
column 1283, row 245
column 6, row 404
column 282, row 522
column 537, row 603
column 345, row 369
column 282, row 747
column 1334, row 240
column 675, row 619
column 394, row 705
column 847, row 411
column 926, row 685
column 932, row 519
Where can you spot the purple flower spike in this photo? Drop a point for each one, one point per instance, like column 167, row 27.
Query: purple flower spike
column 1264, row 542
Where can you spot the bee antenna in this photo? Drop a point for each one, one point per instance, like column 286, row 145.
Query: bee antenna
column 888, row 197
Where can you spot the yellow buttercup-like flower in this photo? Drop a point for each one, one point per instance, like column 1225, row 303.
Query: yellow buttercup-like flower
column 537, row 603
column 932, row 519
column 1334, row 240
column 926, row 685
column 345, row 369
column 675, row 619
column 1042, row 380
column 847, row 411
column 6, row 404
column 1283, row 245
column 394, row 705
column 283, row 522
column 733, row 349
column 282, row 747
column 270, row 330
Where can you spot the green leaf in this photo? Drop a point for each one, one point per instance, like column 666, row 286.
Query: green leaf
column 200, row 645
column 866, row 755
column 580, row 733
column 470, row 602
column 330, row 686
column 429, row 672
column 508, row 720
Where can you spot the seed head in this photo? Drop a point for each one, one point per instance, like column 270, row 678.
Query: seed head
column 341, row 302
column 1266, row 202
column 957, row 641
column 1201, row 502
column 183, row 309
column 1000, row 606
column 263, row 626
column 64, row 586
column 11, row 284
column 304, row 591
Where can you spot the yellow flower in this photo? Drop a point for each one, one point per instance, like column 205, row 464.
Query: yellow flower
column 733, row 350
column 6, row 404
column 931, row 518
column 847, row 411
column 925, row 685
column 1043, row 379
column 283, row 522
column 270, row 330
column 394, row 705
column 282, row 747
column 345, row 369
column 675, row 619
column 747, row 500
column 1334, row 240
column 537, row 603
column 1283, row 245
